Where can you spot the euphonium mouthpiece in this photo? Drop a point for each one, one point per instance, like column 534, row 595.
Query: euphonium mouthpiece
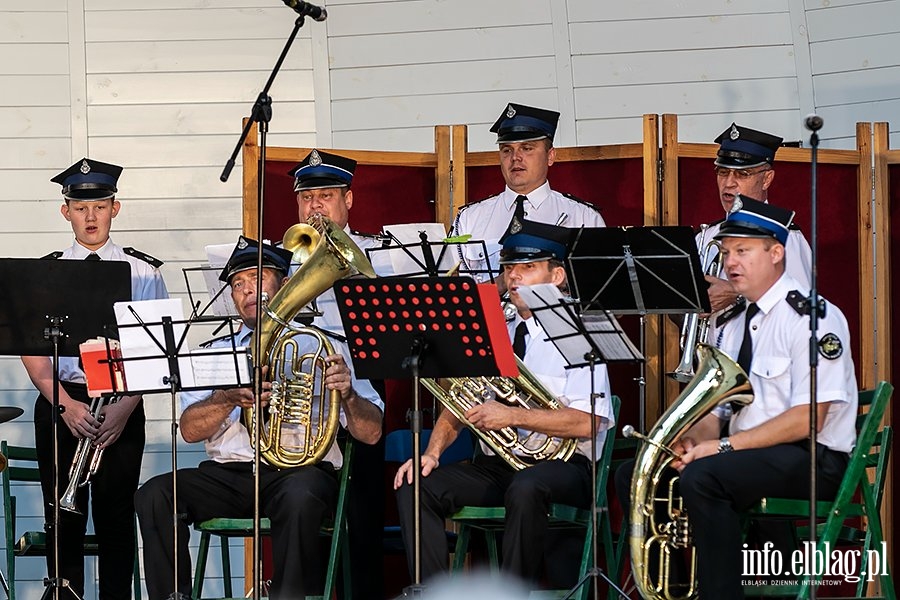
column 629, row 432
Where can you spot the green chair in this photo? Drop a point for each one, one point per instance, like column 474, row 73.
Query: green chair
column 491, row 519
column 859, row 496
column 22, row 467
column 226, row 528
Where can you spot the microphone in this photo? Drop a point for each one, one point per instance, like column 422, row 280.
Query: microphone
column 813, row 122
column 305, row 9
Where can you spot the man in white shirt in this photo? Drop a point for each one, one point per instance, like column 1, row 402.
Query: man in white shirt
column 525, row 136
column 532, row 255
column 223, row 485
column 766, row 451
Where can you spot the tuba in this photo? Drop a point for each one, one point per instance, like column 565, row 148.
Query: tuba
column 517, row 449
column 718, row 380
column 297, row 430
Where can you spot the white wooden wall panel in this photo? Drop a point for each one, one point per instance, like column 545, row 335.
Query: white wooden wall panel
column 33, row 27
column 852, row 54
column 591, row 10
column 34, row 90
column 852, row 21
column 35, row 121
column 51, row 59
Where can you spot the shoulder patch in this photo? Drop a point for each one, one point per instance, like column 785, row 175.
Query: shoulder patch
column 53, row 255
column 731, row 312
column 830, row 346
column 800, row 303
column 580, row 201
column 144, row 257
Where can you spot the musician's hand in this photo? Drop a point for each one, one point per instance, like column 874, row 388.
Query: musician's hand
column 429, row 464
column 721, row 293
column 490, row 415
column 77, row 417
column 113, row 418
column 696, row 452
column 337, row 375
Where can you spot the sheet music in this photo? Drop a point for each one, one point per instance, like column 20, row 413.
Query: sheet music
column 218, row 255
column 198, row 368
column 408, row 233
column 557, row 315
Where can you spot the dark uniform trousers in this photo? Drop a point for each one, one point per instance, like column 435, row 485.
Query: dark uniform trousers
column 489, row 481
column 717, row 488
column 111, row 499
column 296, row 501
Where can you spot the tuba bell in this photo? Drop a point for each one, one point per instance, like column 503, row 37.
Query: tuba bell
column 297, row 429
column 459, row 394
column 718, row 380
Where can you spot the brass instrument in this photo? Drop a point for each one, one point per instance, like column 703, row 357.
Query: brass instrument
column 297, row 430
column 519, row 451
column 695, row 329
column 85, row 464
column 718, row 380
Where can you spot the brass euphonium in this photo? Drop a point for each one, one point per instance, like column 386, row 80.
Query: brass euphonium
column 695, row 329
column 459, row 394
column 299, row 430
column 718, row 380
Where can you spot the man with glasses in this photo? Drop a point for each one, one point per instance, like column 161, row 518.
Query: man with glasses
column 744, row 166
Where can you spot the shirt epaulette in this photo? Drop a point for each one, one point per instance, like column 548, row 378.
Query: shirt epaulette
column 731, row 312
column 473, row 203
column 53, row 255
column 794, row 226
column 364, row 234
column 714, row 223
column 580, row 201
column 144, row 257
column 799, row 303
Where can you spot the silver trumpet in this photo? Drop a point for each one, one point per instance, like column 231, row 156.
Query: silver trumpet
column 86, row 462
column 694, row 329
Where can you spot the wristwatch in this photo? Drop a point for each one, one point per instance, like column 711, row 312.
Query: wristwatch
column 725, row 445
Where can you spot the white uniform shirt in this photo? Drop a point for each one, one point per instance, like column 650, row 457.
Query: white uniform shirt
column 489, row 219
column 232, row 442
column 779, row 371
column 572, row 387
column 797, row 253
column 146, row 284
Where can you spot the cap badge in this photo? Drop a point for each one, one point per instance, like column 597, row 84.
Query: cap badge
column 734, row 134
column 242, row 243
column 515, row 226
column 314, row 159
column 85, row 167
column 510, row 112
column 830, row 346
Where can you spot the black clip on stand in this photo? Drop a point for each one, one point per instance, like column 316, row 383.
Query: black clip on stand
column 584, row 341
column 262, row 114
column 45, row 321
column 815, row 307
column 423, row 327
column 660, row 267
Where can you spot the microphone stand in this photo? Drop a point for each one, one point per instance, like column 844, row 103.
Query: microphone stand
column 814, row 306
column 262, row 114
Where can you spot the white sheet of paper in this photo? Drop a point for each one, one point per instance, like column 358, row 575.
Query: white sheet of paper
column 197, row 368
column 408, row 233
column 218, row 255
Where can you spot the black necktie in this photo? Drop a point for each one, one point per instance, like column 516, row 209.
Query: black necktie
column 745, row 354
column 519, row 339
column 92, row 256
column 520, row 208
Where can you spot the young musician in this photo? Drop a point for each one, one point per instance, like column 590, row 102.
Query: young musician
column 90, row 205
column 532, row 255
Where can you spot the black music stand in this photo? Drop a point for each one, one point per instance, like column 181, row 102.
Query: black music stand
column 425, row 327
column 423, row 257
column 48, row 320
column 582, row 342
column 169, row 336
column 638, row 270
